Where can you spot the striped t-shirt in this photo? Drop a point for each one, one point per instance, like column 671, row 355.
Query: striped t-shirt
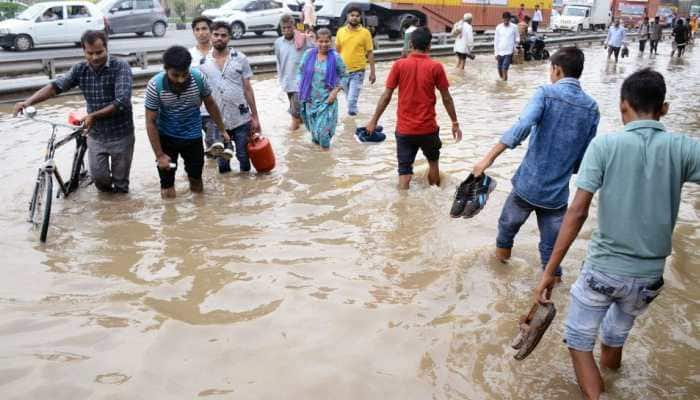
column 178, row 113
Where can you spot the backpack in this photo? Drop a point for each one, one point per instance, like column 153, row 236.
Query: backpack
column 196, row 74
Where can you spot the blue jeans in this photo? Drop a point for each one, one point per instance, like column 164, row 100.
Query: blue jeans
column 504, row 62
column 515, row 212
column 352, row 85
column 611, row 300
column 239, row 136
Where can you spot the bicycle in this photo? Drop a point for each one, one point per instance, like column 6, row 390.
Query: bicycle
column 40, row 203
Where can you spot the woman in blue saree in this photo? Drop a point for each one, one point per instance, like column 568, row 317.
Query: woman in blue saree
column 320, row 72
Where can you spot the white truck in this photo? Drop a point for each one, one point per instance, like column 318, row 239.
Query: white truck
column 580, row 15
column 379, row 17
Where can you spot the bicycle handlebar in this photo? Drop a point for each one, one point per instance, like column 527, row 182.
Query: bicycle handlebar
column 30, row 112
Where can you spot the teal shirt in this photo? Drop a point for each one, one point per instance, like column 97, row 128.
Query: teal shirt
column 638, row 174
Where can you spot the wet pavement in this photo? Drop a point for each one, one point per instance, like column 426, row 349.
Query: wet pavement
column 319, row 280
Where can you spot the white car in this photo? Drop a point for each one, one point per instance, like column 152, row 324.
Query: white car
column 257, row 16
column 50, row 23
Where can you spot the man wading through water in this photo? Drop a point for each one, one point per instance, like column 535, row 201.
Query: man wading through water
column 105, row 82
column 354, row 44
column 201, row 29
column 288, row 52
column 228, row 74
column 174, row 122
column 505, row 40
column 417, row 77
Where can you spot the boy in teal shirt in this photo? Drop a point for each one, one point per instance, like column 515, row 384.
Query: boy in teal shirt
column 638, row 174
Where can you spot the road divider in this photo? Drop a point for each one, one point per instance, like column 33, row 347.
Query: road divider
column 146, row 64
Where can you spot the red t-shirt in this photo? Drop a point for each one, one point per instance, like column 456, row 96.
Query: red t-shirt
column 417, row 76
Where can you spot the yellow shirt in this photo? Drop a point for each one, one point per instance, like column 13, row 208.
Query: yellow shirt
column 353, row 45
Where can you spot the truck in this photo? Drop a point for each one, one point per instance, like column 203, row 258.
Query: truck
column 439, row 15
column 632, row 12
column 580, row 15
column 694, row 8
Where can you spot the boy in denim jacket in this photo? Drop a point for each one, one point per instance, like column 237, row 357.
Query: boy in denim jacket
column 638, row 174
column 561, row 119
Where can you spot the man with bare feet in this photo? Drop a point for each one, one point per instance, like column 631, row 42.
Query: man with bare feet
column 174, row 121
column 561, row 120
column 639, row 174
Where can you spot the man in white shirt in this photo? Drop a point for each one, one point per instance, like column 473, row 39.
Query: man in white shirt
column 615, row 39
column 504, row 42
column 464, row 40
column 536, row 18
column 201, row 29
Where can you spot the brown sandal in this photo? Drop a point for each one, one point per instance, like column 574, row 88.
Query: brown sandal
column 532, row 327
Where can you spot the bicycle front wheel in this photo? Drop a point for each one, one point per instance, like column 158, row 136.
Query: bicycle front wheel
column 40, row 210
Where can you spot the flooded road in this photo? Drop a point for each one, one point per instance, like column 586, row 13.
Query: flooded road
column 319, row 280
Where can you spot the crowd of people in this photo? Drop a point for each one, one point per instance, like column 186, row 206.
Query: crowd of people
column 682, row 34
column 207, row 89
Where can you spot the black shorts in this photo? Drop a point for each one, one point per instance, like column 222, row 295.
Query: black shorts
column 192, row 153
column 461, row 56
column 407, row 147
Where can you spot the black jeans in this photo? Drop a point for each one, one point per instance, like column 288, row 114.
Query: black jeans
column 535, row 24
column 192, row 153
column 642, row 44
column 652, row 46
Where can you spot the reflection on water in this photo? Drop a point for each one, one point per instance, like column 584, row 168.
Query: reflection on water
column 319, row 280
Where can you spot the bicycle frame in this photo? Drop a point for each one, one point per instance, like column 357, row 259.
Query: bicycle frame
column 49, row 164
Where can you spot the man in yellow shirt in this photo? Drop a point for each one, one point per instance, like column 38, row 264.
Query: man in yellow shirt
column 354, row 43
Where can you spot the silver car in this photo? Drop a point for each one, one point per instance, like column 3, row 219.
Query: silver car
column 134, row 16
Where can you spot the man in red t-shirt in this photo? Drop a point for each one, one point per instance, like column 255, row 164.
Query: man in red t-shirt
column 417, row 77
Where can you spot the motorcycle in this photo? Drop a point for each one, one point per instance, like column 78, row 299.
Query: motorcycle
column 534, row 48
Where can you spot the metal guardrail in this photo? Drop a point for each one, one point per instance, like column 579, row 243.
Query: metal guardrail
column 52, row 66
column 21, row 87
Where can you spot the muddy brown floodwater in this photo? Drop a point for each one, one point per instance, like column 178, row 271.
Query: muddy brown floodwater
column 319, row 280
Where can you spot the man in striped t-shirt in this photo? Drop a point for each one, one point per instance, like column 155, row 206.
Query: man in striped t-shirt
column 174, row 120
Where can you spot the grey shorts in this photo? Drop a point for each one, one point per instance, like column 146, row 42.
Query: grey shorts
column 294, row 104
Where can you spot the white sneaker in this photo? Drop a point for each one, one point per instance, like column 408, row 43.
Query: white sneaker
column 227, row 154
column 215, row 149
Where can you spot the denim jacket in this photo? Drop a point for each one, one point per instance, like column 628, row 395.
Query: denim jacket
column 562, row 120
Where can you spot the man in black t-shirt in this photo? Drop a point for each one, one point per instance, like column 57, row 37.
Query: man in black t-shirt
column 680, row 38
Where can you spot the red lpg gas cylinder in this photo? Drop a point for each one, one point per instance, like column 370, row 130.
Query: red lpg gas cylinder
column 75, row 117
column 261, row 154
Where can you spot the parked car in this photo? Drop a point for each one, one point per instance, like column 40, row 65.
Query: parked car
column 10, row 8
column 257, row 16
column 50, row 23
column 134, row 16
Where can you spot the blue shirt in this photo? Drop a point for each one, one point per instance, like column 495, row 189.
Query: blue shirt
column 561, row 120
column 178, row 112
column 616, row 36
column 638, row 174
column 110, row 85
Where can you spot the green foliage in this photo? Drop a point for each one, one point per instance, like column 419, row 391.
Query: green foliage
column 180, row 9
column 10, row 10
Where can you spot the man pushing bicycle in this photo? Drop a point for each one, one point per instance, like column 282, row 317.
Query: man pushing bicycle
column 105, row 82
